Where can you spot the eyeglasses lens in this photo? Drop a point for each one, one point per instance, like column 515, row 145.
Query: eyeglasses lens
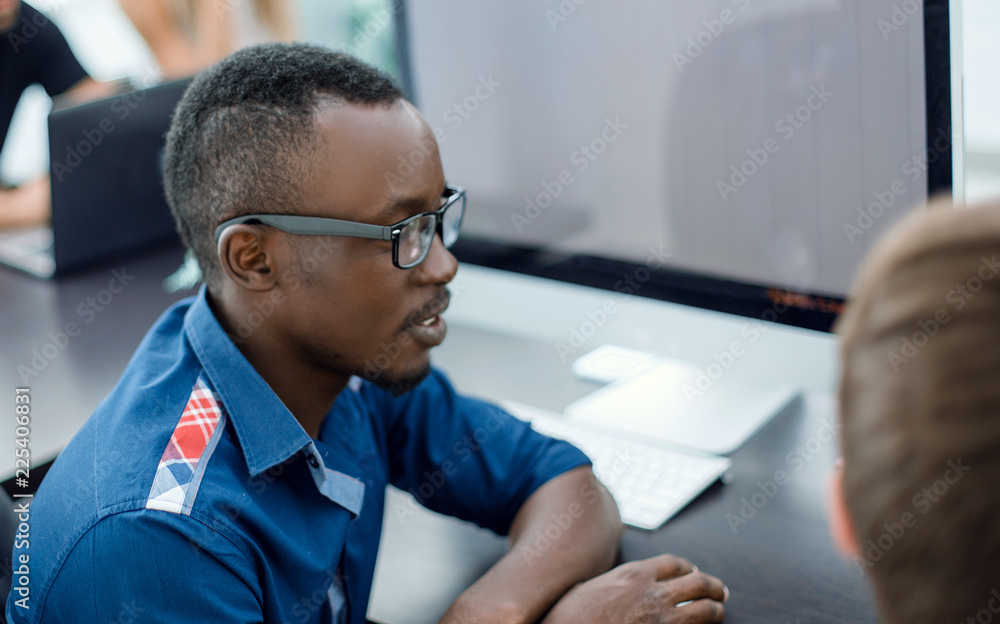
column 415, row 240
column 452, row 222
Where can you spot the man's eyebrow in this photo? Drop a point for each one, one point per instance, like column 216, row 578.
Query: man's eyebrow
column 399, row 208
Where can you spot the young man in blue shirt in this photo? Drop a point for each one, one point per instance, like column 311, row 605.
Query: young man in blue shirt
column 237, row 471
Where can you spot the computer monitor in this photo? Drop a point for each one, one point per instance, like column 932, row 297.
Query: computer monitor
column 740, row 155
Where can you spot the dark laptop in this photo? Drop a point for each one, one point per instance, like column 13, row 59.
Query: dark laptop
column 106, row 168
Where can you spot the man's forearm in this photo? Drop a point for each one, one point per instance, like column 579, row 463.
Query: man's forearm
column 567, row 532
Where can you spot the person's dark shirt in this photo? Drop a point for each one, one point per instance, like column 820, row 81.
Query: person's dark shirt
column 33, row 51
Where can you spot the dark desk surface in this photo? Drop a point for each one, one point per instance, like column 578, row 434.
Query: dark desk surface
column 780, row 566
column 70, row 339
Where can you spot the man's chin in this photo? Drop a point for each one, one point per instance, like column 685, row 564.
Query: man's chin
column 399, row 384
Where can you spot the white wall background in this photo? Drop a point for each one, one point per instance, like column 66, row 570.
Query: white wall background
column 982, row 96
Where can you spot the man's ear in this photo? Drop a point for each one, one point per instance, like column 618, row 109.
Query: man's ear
column 841, row 525
column 245, row 254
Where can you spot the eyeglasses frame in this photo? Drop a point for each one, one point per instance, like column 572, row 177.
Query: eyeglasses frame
column 323, row 226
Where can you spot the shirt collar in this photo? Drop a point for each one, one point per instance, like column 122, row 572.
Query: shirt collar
column 332, row 476
column 268, row 433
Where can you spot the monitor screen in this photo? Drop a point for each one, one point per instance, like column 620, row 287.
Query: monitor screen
column 739, row 149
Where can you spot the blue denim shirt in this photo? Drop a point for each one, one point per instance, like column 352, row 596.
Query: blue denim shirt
column 193, row 495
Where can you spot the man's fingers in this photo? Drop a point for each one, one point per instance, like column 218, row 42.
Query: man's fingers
column 694, row 586
column 703, row 610
column 665, row 567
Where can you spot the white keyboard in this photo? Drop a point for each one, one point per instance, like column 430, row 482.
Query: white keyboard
column 650, row 484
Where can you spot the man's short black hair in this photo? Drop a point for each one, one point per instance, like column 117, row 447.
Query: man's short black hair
column 242, row 135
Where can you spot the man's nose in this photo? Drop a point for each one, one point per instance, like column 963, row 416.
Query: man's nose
column 439, row 267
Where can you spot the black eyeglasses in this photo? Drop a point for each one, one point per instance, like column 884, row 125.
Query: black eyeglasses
column 411, row 238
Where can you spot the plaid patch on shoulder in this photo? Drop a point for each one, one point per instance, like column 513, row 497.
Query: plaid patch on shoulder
column 178, row 474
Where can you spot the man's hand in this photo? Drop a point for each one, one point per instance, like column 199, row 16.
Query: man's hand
column 644, row 591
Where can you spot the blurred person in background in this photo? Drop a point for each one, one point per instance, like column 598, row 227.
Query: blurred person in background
column 186, row 36
column 34, row 51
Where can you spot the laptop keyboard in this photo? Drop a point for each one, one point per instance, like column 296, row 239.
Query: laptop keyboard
column 29, row 242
